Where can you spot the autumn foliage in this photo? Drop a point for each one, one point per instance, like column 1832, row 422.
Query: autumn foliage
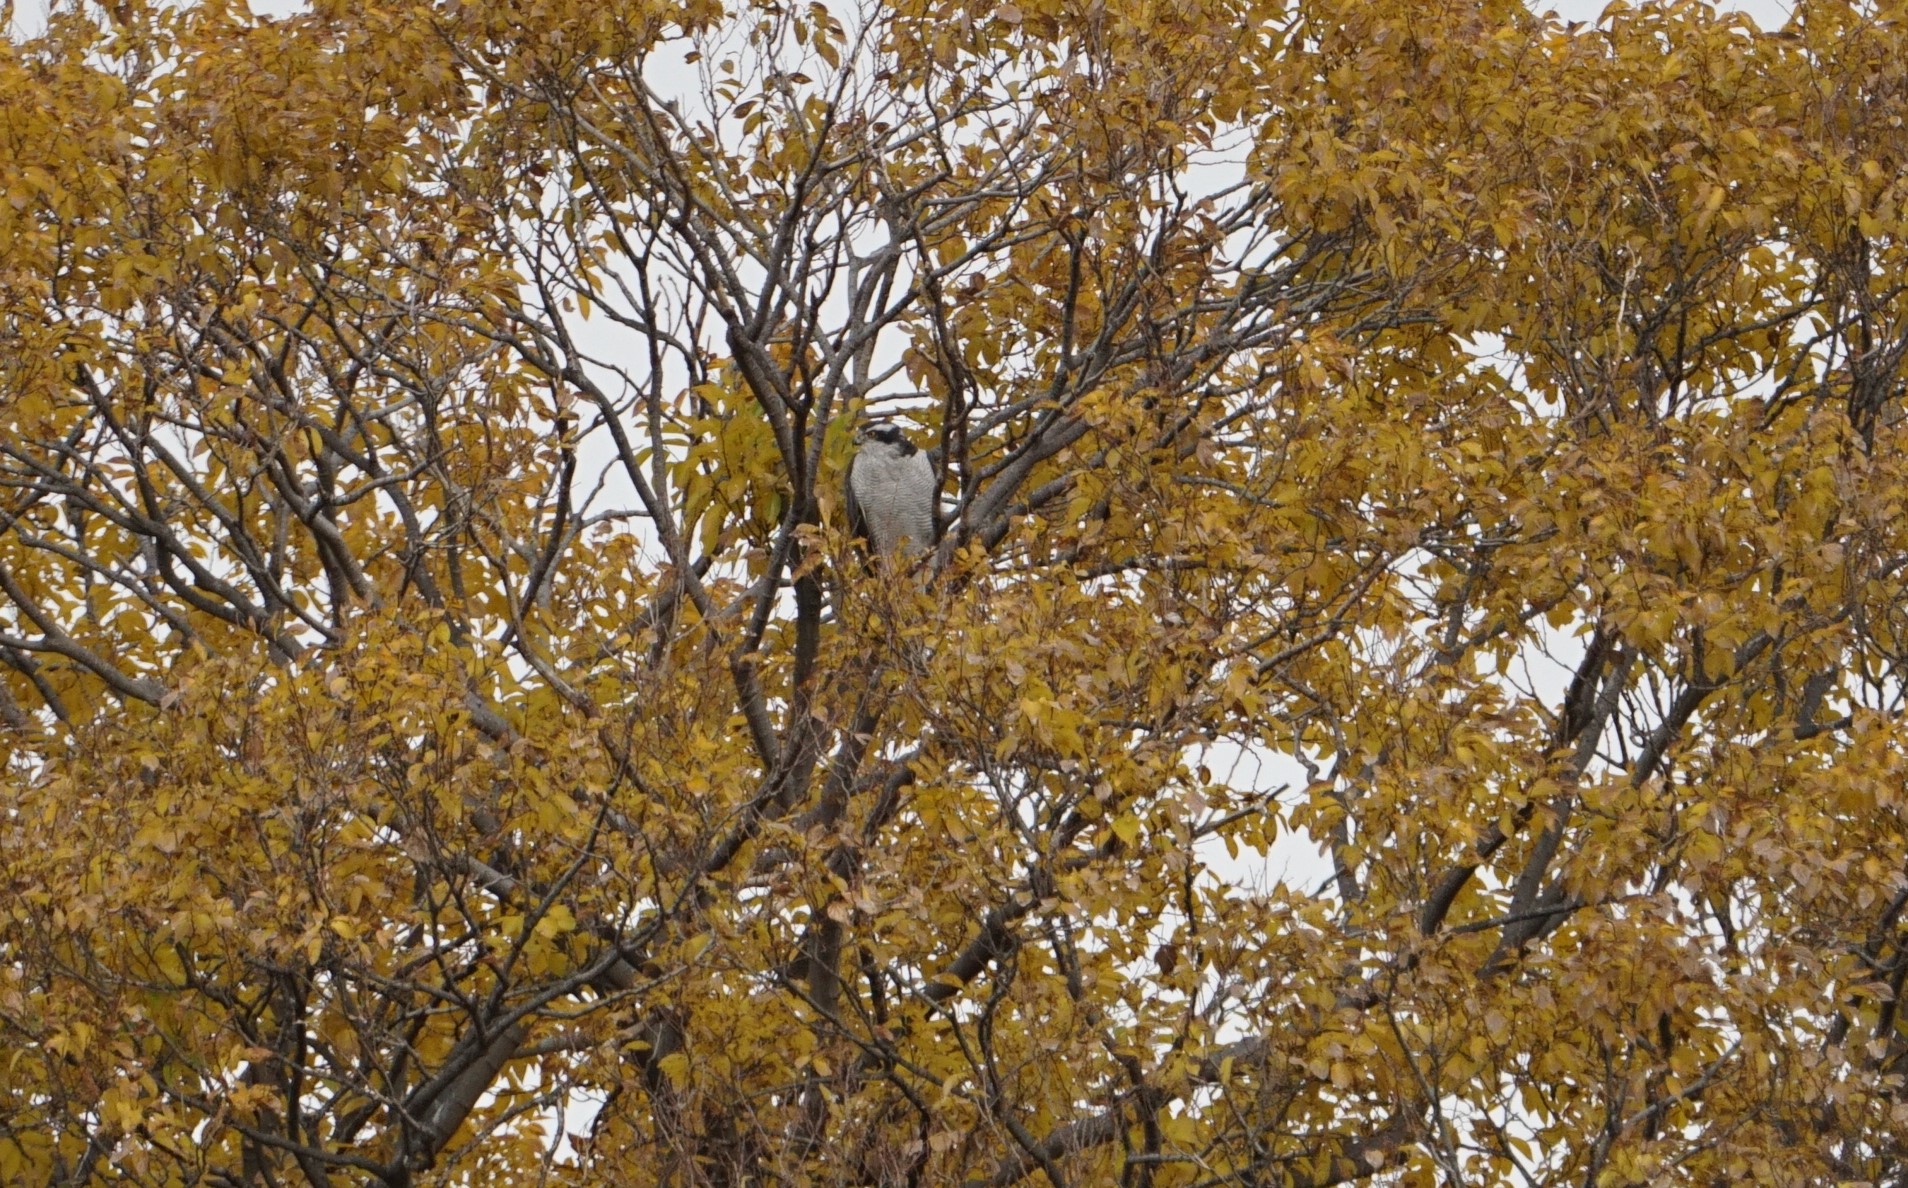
column 451, row 736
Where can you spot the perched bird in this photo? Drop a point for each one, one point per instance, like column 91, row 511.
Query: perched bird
column 891, row 492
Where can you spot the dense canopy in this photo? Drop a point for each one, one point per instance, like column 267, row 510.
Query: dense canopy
column 451, row 735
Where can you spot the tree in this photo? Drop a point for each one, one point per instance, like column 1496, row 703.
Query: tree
column 451, row 736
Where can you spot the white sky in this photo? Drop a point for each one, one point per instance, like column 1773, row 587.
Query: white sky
column 1295, row 859
column 1767, row 14
column 30, row 15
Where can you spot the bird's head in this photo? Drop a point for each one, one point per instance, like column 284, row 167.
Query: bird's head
column 883, row 433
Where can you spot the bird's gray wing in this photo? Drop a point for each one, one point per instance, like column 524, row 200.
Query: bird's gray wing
column 857, row 523
column 932, row 494
column 935, row 514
